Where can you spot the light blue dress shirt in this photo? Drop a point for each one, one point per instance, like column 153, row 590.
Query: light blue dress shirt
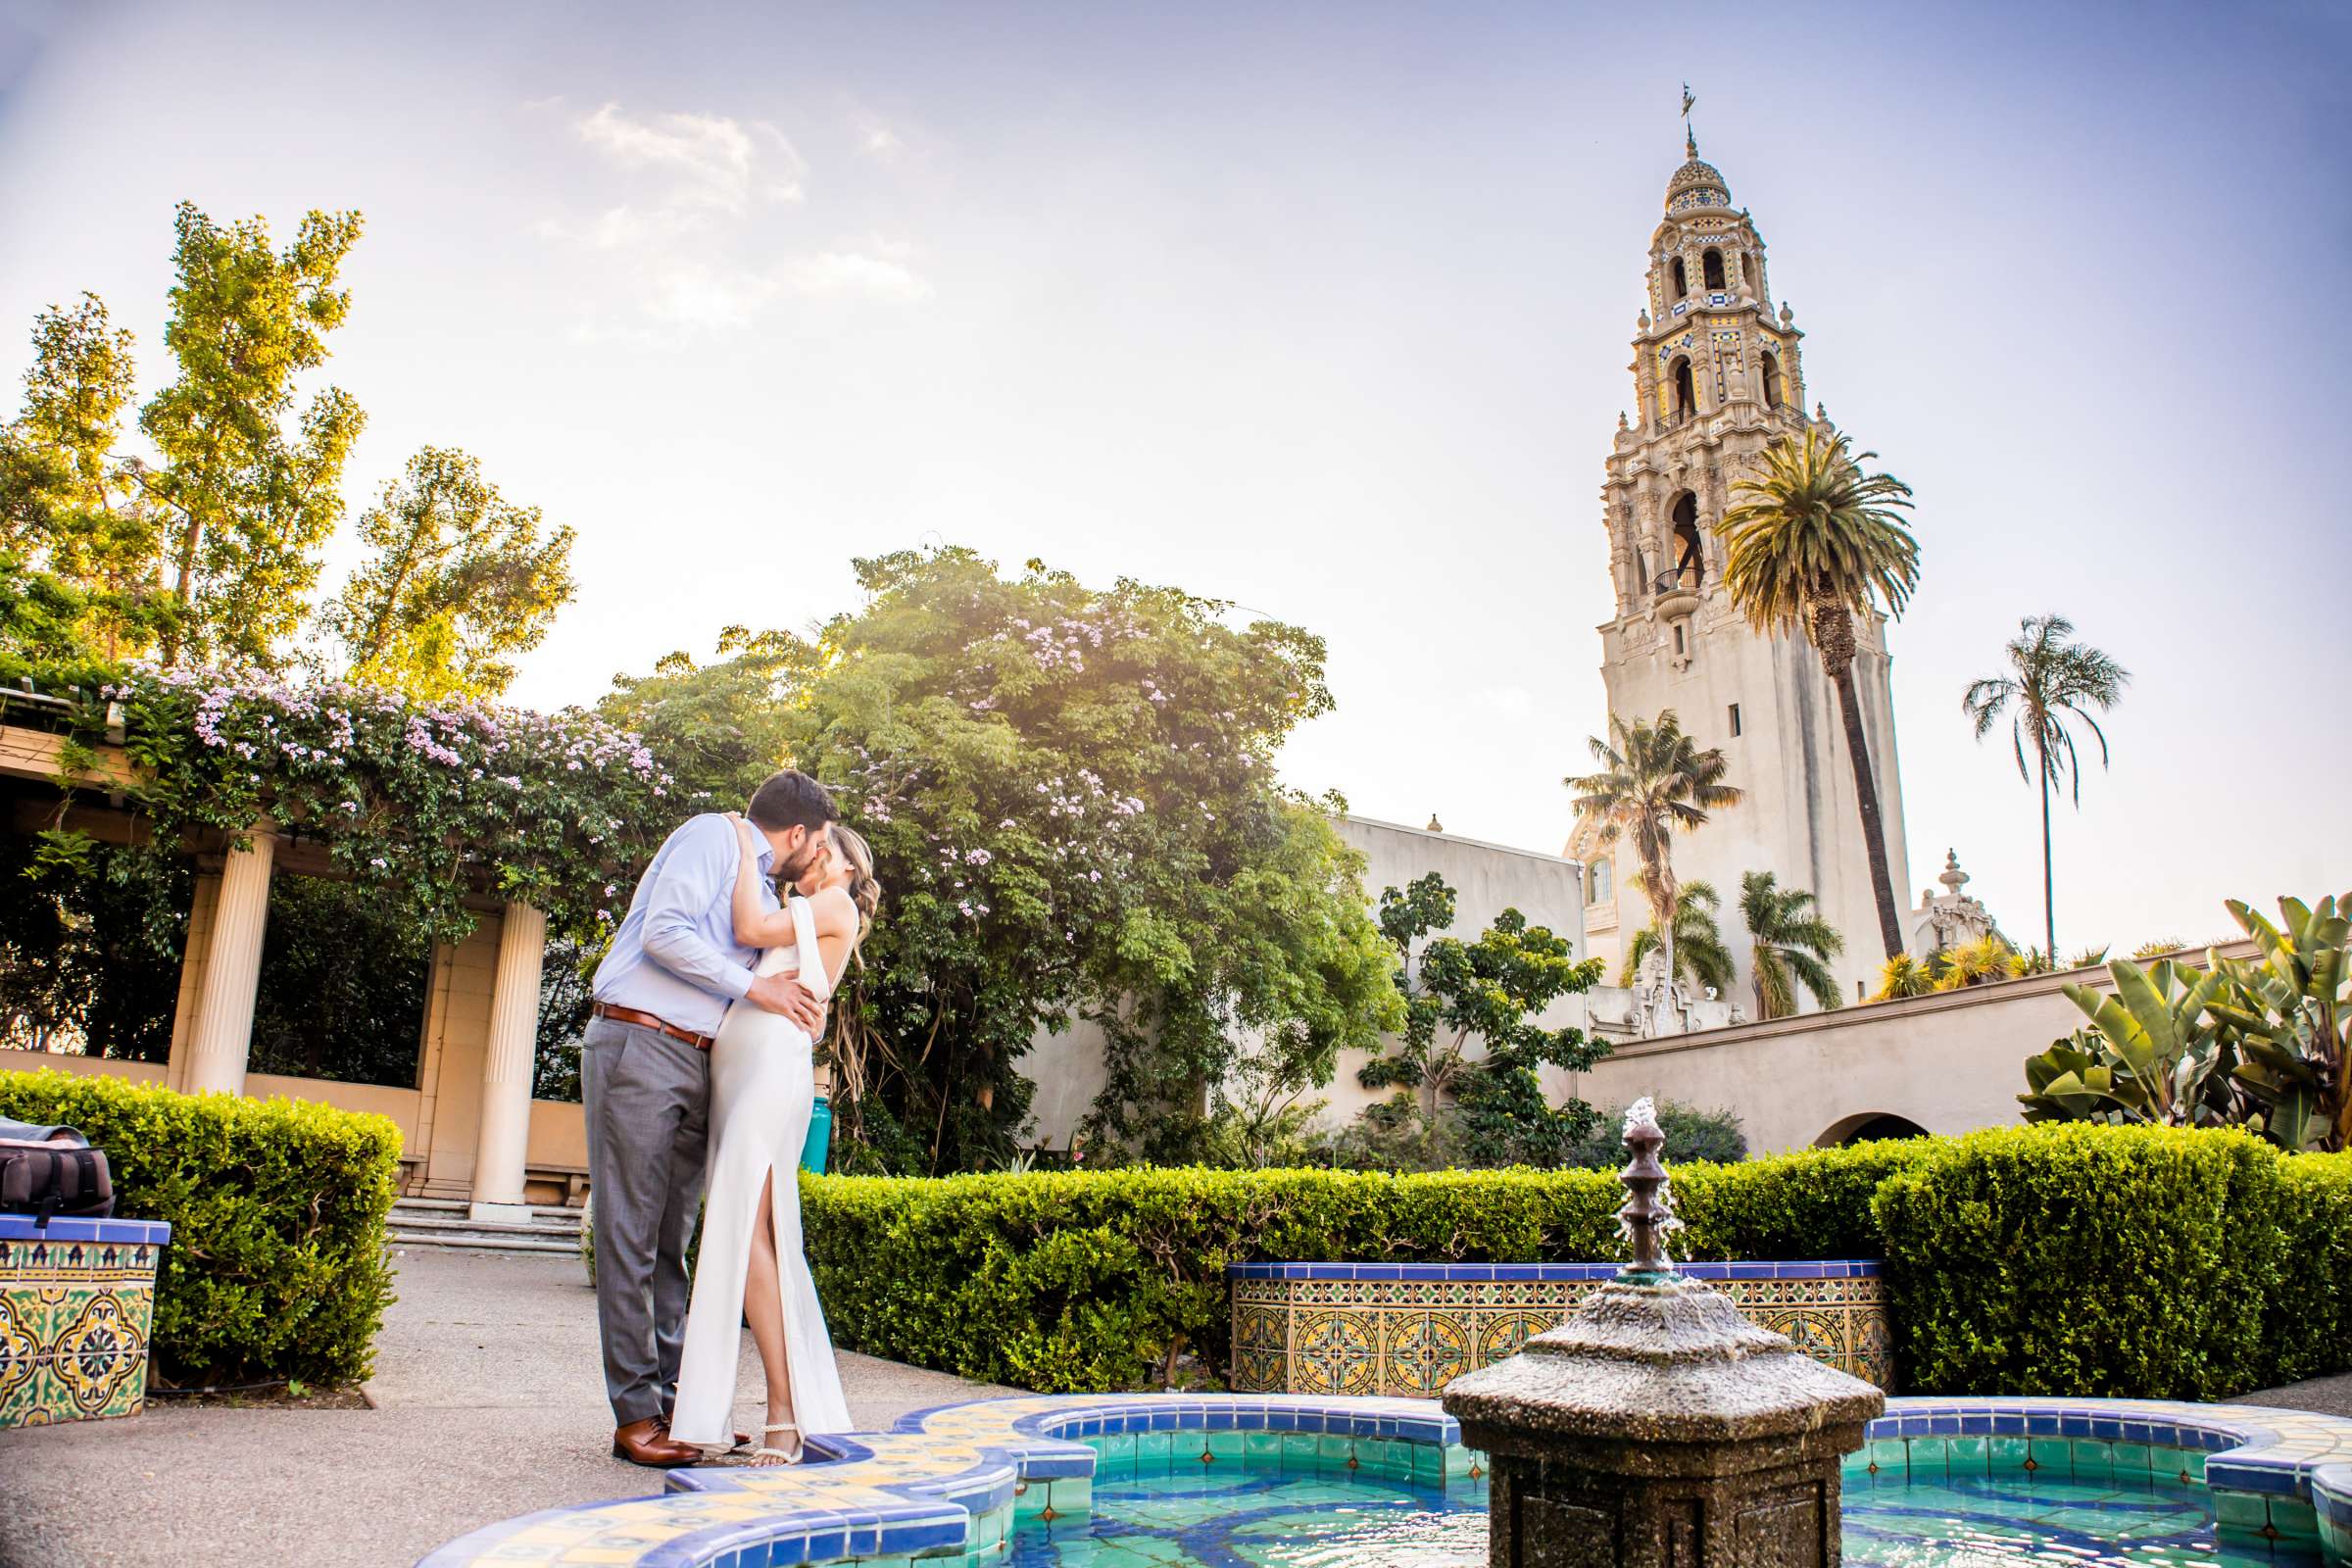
column 676, row 955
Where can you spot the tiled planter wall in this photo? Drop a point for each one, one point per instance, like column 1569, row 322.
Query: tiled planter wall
column 1410, row 1329
column 76, row 1307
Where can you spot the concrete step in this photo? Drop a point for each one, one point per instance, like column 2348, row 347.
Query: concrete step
column 429, row 1207
column 440, row 1222
column 486, row 1244
column 457, row 1222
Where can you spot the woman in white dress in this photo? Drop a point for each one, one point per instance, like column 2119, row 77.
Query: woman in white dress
column 752, row 1267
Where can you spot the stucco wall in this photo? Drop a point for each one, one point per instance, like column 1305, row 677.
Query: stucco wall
column 1951, row 1063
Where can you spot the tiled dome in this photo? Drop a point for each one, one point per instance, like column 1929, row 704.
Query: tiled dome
column 1697, row 183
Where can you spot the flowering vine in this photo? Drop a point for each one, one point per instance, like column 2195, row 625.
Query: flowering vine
column 427, row 804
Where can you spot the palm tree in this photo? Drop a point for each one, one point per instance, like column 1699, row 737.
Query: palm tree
column 1697, row 949
column 1653, row 780
column 1792, row 942
column 1814, row 543
column 2052, row 679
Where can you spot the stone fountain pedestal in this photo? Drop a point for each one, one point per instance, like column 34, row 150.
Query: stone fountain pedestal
column 1657, row 1428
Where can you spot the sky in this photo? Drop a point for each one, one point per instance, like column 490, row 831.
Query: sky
column 1326, row 311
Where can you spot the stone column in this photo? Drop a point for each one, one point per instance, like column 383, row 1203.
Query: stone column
column 506, row 1062
column 233, row 966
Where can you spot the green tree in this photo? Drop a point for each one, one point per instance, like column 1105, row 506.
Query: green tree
column 1490, row 991
column 461, row 580
column 1791, row 946
column 1696, row 952
column 722, row 726
column 1071, row 798
column 1812, row 543
column 65, row 506
column 1654, row 780
column 246, row 502
column 2051, row 679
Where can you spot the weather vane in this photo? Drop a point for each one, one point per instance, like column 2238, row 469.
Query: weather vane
column 1689, row 140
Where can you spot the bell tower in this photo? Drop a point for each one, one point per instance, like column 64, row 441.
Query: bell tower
column 1719, row 376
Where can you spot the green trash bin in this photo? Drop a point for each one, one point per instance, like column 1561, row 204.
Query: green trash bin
column 821, row 1137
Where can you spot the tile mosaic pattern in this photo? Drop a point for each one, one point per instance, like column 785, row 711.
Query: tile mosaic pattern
column 77, row 1309
column 947, row 1487
column 1410, row 1329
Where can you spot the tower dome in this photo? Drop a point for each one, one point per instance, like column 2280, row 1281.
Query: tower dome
column 1697, row 183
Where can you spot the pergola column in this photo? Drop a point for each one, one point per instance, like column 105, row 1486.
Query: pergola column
column 507, row 1063
column 223, row 1033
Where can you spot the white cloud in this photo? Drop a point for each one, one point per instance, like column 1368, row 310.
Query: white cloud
column 881, row 272
column 714, row 161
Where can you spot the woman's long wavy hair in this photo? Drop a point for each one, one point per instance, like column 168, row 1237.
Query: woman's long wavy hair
column 864, row 892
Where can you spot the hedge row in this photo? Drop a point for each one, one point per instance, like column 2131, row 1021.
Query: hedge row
column 2068, row 1260
column 276, row 1266
column 1069, row 1281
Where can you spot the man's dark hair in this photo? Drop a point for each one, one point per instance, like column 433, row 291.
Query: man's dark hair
column 788, row 799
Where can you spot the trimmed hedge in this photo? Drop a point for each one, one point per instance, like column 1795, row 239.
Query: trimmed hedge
column 2310, row 1322
column 2081, row 1259
column 276, row 1266
column 2067, row 1259
column 1071, row 1281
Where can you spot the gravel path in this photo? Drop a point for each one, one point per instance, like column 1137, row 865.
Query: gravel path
column 490, row 1404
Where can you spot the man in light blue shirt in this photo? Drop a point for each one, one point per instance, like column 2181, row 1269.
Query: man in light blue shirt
column 644, row 1068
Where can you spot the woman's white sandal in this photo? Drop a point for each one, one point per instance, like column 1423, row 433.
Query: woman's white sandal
column 765, row 1457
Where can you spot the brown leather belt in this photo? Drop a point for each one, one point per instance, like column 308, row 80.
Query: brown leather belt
column 646, row 1020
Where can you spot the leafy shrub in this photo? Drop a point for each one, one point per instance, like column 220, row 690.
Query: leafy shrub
column 2309, row 1323
column 2076, row 1260
column 1690, row 1134
column 1067, row 1281
column 277, row 1265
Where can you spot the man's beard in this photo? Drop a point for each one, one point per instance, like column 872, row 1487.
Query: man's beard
column 788, row 877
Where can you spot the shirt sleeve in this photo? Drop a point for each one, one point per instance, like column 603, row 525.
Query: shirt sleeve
column 700, row 867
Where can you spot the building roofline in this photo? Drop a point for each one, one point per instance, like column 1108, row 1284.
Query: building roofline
column 1456, row 838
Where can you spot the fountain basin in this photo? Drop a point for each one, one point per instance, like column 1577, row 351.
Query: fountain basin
column 974, row 1483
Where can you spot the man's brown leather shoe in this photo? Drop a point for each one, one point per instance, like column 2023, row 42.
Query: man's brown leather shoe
column 648, row 1442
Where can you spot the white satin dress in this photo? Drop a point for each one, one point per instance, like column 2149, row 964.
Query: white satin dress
column 762, row 1086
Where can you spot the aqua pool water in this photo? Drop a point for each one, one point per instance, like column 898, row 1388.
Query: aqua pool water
column 1245, row 1515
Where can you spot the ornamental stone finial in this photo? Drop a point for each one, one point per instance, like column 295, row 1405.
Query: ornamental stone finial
column 1648, row 1212
column 1657, row 1426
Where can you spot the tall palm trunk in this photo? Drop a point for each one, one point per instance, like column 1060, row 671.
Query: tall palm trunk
column 2049, row 900
column 1833, row 637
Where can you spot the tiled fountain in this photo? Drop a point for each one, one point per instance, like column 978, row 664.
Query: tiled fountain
column 1656, row 1427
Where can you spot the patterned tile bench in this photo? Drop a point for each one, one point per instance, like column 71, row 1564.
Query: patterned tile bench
column 77, row 1307
column 1408, row 1329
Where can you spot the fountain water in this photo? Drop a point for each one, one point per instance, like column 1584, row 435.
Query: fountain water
column 1656, row 1427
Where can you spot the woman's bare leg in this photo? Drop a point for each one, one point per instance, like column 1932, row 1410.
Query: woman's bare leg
column 763, row 1309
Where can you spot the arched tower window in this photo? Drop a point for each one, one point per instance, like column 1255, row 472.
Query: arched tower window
column 1771, row 379
column 1712, row 266
column 1689, row 562
column 1682, row 279
column 1685, row 397
column 1601, row 881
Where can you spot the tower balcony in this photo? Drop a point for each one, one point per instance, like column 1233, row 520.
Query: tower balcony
column 1675, row 594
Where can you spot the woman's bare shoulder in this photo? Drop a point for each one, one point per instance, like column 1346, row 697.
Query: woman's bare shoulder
column 834, row 909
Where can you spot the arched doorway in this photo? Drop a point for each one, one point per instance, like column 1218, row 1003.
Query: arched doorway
column 1689, row 559
column 1771, row 379
column 1682, row 279
column 1711, row 268
column 1865, row 1127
